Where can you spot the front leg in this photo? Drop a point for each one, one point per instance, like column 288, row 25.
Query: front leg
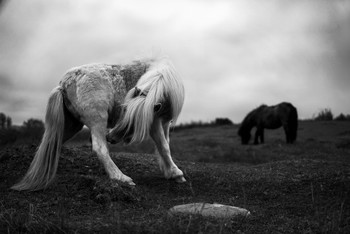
column 160, row 136
column 99, row 147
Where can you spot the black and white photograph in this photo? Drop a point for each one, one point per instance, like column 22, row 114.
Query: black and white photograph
column 189, row 116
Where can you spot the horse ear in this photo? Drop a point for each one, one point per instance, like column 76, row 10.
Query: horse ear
column 137, row 91
column 157, row 107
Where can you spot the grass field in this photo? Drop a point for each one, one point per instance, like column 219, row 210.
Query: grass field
column 299, row 188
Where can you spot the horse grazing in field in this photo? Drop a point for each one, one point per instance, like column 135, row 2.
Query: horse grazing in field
column 270, row 117
column 136, row 100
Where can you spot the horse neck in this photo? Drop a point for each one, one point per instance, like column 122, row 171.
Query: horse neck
column 249, row 123
column 133, row 72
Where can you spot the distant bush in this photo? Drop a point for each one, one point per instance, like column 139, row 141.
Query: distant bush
column 5, row 121
column 192, row 124
column 8, row 136
column 223, row 121
column 324, row 115
column 342, row 117
column 200, row 124
column 30, row 132
column 33, row 124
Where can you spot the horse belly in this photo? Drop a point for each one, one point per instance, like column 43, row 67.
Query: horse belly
column 272, row 122
column 273, row 126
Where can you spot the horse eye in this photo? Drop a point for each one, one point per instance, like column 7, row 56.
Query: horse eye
column 137, row 92
column 157, row 107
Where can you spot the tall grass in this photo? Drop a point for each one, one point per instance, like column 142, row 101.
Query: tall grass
column 13, row 221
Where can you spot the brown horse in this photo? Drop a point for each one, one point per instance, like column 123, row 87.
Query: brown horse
column 137, row 99
column 270, row 117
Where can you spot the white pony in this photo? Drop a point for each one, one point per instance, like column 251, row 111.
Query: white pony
column 137, row 99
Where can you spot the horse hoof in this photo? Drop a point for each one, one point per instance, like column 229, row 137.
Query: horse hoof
column 116, row 183
column 180, row 180
column 129, row 182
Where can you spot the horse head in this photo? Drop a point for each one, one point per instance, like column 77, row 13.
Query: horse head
column 244, row 134
column 248, row 123
column 116, row 135
column 125, row 131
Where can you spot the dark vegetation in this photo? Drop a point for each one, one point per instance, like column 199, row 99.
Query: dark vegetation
column 196, row 124
column 30, row 132
column 5, row 121
column 327, row 115
column 299, row 188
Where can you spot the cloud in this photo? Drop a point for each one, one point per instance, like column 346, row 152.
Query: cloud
column 233, row 55
column 5, row 85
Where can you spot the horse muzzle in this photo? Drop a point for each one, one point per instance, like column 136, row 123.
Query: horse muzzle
column 111, row 139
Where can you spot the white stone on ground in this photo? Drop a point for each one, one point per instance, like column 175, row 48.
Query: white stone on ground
column 209, row 210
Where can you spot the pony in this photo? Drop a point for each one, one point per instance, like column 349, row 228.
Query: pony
column 270, row 117
column 136, row 100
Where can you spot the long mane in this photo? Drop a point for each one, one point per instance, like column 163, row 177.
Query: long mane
column 159, row 85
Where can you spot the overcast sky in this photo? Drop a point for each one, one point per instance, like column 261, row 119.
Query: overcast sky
column 233, row 55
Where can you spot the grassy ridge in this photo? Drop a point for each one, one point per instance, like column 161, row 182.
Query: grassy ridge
column 301, row 188
column 221, row 144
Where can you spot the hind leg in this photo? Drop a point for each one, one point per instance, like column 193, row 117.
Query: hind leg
column 287, row 133
column 292, row 135
column 160, row 135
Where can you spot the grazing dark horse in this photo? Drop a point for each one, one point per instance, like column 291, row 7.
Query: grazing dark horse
column 270, row 117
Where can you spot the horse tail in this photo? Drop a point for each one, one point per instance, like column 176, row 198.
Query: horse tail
column 43, row 168
column 293, row 123
column 160, row 85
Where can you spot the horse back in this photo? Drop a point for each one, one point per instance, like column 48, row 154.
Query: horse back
column 99, row 89
column 285, row 108
column 273, row 117
column 269, row 118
